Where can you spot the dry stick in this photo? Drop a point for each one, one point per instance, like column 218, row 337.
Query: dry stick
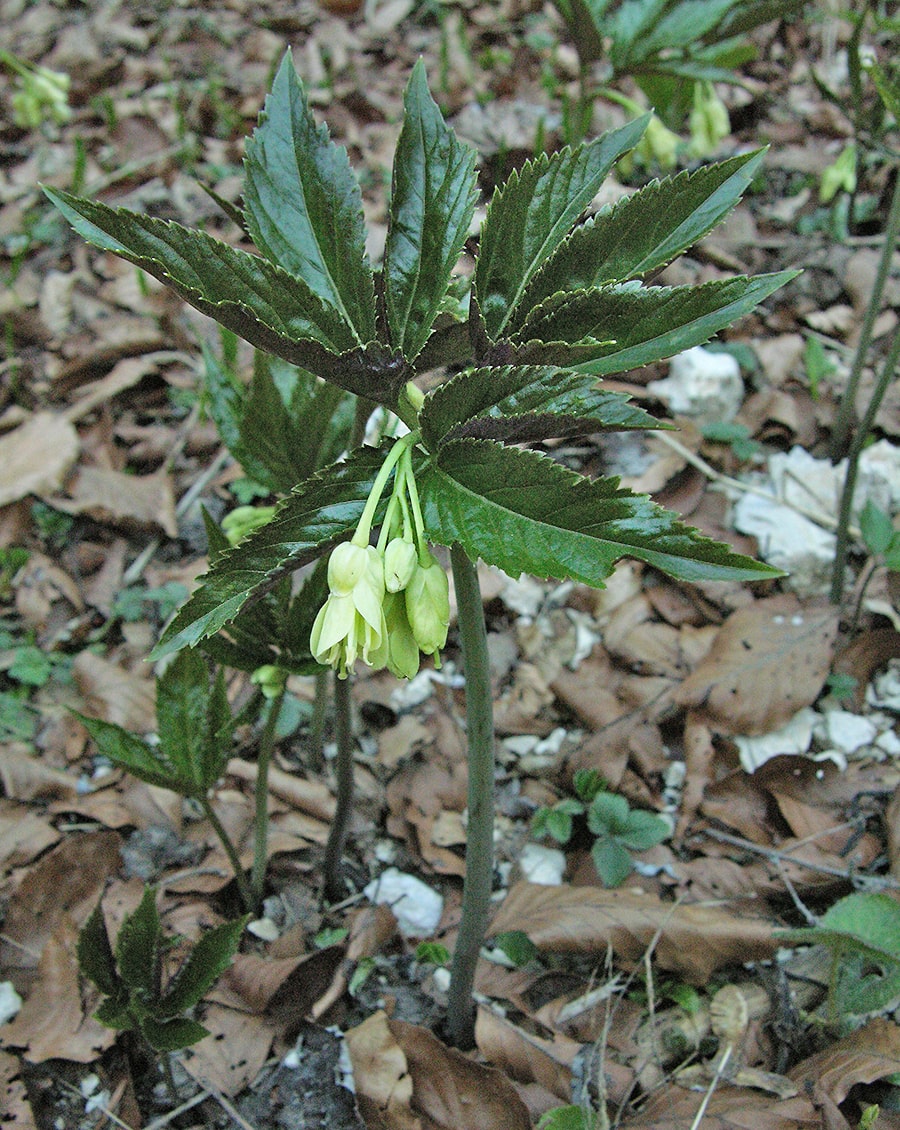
column 189, row 1104
column 479, row 873
column 701, row 1109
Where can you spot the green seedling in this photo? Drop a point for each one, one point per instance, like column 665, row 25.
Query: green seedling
column 618, row 828
column 554, row 305
column 818, row 364
column 738, row 437
column 862, row 932
column 41, row 94
column 136, row 602
column 572, row 1117
column 432, row 953
column 137, row 996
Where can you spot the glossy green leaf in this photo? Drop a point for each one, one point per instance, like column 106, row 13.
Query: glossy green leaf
column 876, row 527
column 524, row 404
column 219, row 280
column 318, row 514
column 686, row 23
column 137, row 948
column 209, row 958
column 523, row 512
column 190, row 718
column 646, row 323
column 304, row 207
column 432, row 201
column 533, row 212
column 172, row 1035
column 643, row 231
column 95, row 955
column 625, row 26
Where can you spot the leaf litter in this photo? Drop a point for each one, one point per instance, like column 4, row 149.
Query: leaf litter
column 653, row 684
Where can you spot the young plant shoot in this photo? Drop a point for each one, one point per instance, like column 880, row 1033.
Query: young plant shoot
column 554, row 305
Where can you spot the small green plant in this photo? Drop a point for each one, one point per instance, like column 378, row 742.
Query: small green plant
column 862, row 932
column 137, row 996
column 432, row 953
column 553, row 306
column 738, row 437
column 135, row 602
column 618, row 828
column 572, row 1117
column 41, row 95
column 674, row 50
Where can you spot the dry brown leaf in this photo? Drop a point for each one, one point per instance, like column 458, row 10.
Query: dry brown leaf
column 731, row 1108
column 114, row 694
column 26, row 777
column 52, row 1023
column 525, row 1057
column 232, row 1056
column 767, row 662
column 381, row 1076
column 35, row 458
column 309, row 796
column 450, row 1091
column 868, row 1054
column 693, row 941
column 24, row 835
column 137, row 503
column 371, row 929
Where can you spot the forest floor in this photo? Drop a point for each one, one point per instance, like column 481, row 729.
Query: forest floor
column 761, row 719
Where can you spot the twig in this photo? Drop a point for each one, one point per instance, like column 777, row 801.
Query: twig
column 189, row 1104
column 229, row 1109
column 873, row 881
column 111, row 1115
column 701, row 1109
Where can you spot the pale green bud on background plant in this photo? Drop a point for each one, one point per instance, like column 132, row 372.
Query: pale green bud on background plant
column 659, row 144
column 840, row 176
column 400, row 560
column 42, row 93
column 428, row 606
column 709, row 121
column 244, row 520
column 270, row 679
column 350, row 624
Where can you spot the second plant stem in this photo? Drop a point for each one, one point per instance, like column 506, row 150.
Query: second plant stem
column 343, row 766
column 478, row 880
column 261, row 830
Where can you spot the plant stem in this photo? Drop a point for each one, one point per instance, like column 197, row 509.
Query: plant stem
column 846, row 410
column 261, row 824
column 856, row 449
column 246, row 893
column 343, row 765
column 476, row 902
column 317, row 722
column 166, row 1060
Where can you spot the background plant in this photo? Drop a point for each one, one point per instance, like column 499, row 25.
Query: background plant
column 553, row 306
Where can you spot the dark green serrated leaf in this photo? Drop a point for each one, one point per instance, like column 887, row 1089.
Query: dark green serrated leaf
column 303, row 204
column 523, row 404
column 432, row 202
column 524, row 513
column 211, row 275
column 115, row 1013
column 642, row 232
column 318, row 514
column 137, row 948
column 533, row 212
column 95, row 955
column 209, row 958
column 647, row 323
column 148, row 763
column 182, row 694
column 687, row 23
column 172, row 1035
column 626, row 24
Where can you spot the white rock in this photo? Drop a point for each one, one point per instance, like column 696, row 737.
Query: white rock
column 788, row 541
column 10, row 1001
column 879, row 467
column 263, row 928
column 544, row 865
column 793, row 738
column 416, row 906
column 848, row 732
column 706, row 386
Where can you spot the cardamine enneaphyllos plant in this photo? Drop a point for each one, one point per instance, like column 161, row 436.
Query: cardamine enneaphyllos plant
column 554, row 305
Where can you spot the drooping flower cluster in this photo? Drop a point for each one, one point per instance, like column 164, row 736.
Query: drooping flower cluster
column 388, row 603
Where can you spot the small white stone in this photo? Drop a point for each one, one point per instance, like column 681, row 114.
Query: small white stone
column 263, row 928
column 794, row 738
column 889, row 742
column 416, row 906
column 544, row 865
column 704, row 385
column 441, row 979
column 788, row 541
column 849, row 732
column 10, row 1001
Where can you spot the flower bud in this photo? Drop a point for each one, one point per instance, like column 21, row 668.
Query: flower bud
column 400, row 652
column 345, row 566
column 270, row 679
column 428, row 606
column 400, row 560
column 243, row 520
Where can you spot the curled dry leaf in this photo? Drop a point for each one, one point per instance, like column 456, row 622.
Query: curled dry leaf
column 525, row 1057
column 381, row 1076
column 35, row 458
column 868, row 1054
column 767, row 662
column 690, row 940
column 729, row 1014
column 136, row 503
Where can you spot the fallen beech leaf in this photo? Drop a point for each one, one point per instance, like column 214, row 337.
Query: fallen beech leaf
column 114, row 694
column 52, row 1023
column 232, row 1056
column 731, row 1108
column 868, row 1054
column 26, row 777
column 24, row 835
column 767, row 662
column 134, row 502
column 525, row 1057
column 693, row 941
column 13, row 1096
column 35, row 458
column 450, row 1091
column 381, row 1076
